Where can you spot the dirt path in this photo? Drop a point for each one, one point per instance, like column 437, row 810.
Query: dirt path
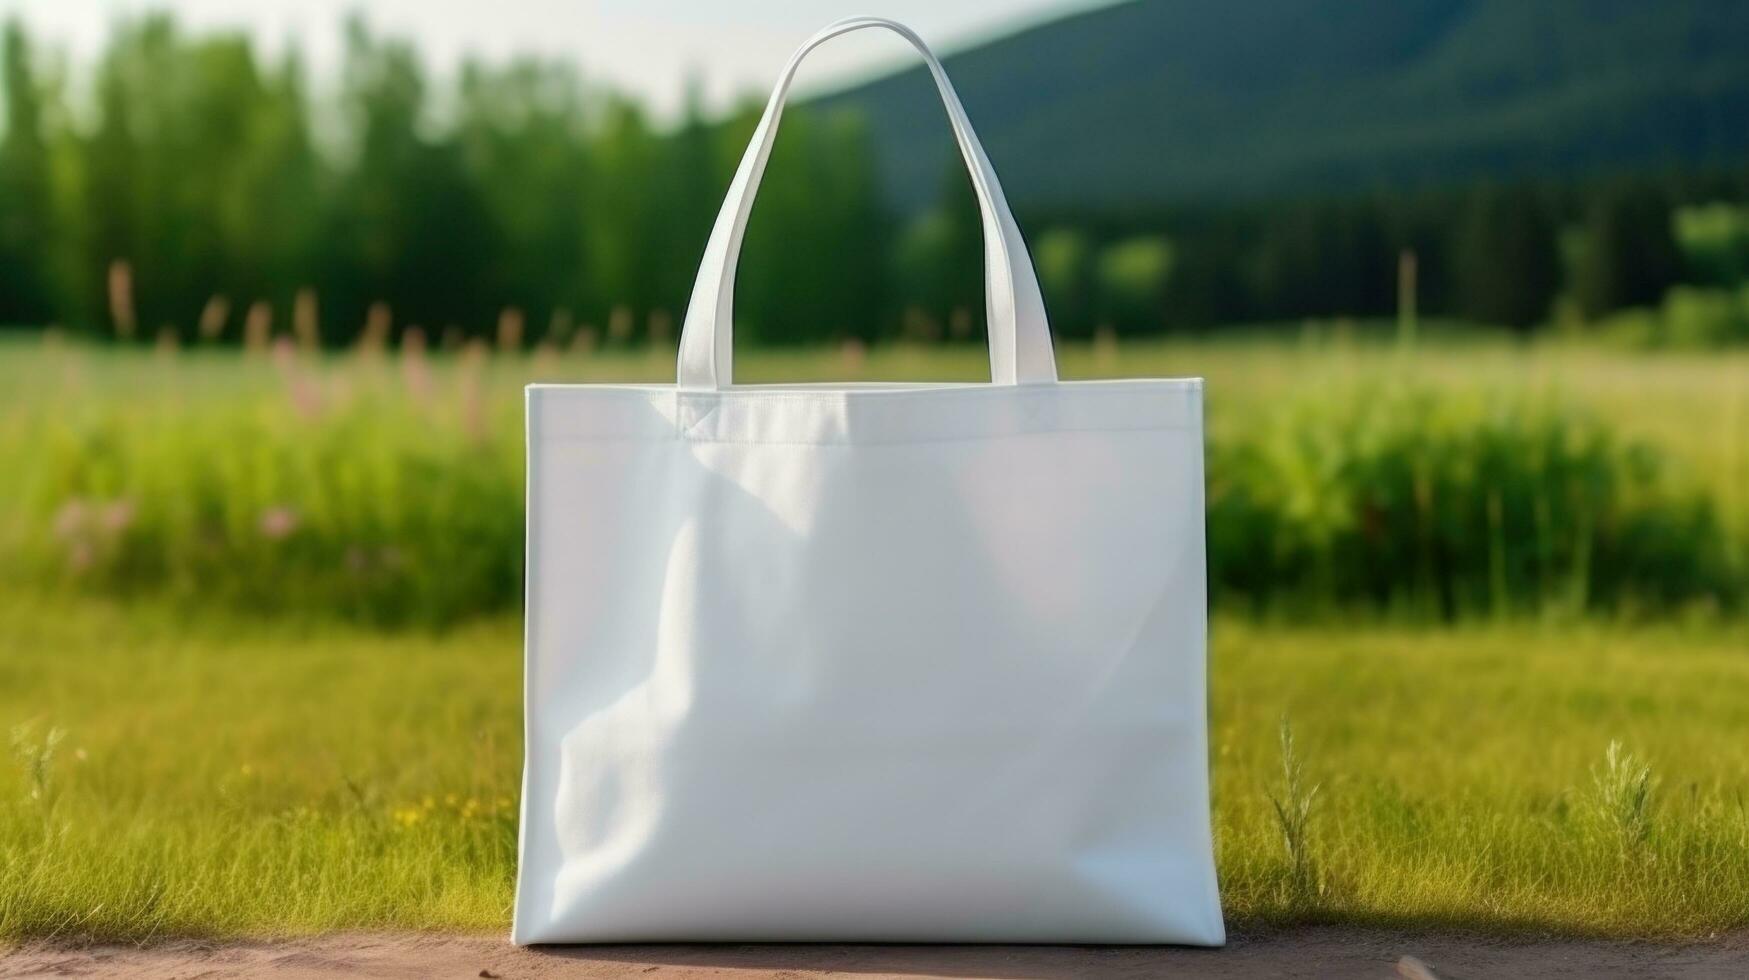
column 1333, row 952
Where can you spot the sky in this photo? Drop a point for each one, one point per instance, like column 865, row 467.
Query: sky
column 646, row 47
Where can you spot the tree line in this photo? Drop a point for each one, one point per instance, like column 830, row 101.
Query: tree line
column 1521, row 254
column 184, row 185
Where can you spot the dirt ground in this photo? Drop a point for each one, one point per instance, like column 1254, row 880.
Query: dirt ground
column 1328, row 952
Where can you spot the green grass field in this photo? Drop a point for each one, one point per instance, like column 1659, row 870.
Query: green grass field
column 1473, row 477
column 229, row 777
column 214, row 731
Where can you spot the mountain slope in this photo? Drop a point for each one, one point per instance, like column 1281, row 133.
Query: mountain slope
column 1168, row 100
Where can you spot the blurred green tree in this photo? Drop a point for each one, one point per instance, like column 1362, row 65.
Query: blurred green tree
column 1628, row 254
column 1506, row 257
column 814, row 264
column 1065, row 272
column 1714, row 240
column 1131, row 277
column 26, row 204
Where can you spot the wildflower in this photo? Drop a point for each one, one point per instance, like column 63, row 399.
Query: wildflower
column 619, row 324
column 117, row 516
column 285, row 353
column 415, row 373
column 852, row 354
column 473, row 407
column 80, row 555
column 71, row 517
column 302, row 390
column 510, row 327
column 278, row 522
column 213, row 316
column 377, row 322
column 121, row 298
column 257, row 327
column 546, row 359
column 304, row 319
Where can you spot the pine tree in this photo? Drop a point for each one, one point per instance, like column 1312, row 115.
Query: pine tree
column 26, row 207
column 1506, row 257
column 1628, row 254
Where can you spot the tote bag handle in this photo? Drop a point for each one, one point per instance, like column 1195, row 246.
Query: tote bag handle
column 1020, row 338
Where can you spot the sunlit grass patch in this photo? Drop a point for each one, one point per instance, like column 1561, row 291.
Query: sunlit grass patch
column 1505, row 777
column 221, row 776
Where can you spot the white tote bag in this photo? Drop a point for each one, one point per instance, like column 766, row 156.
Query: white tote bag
column 867, row 662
